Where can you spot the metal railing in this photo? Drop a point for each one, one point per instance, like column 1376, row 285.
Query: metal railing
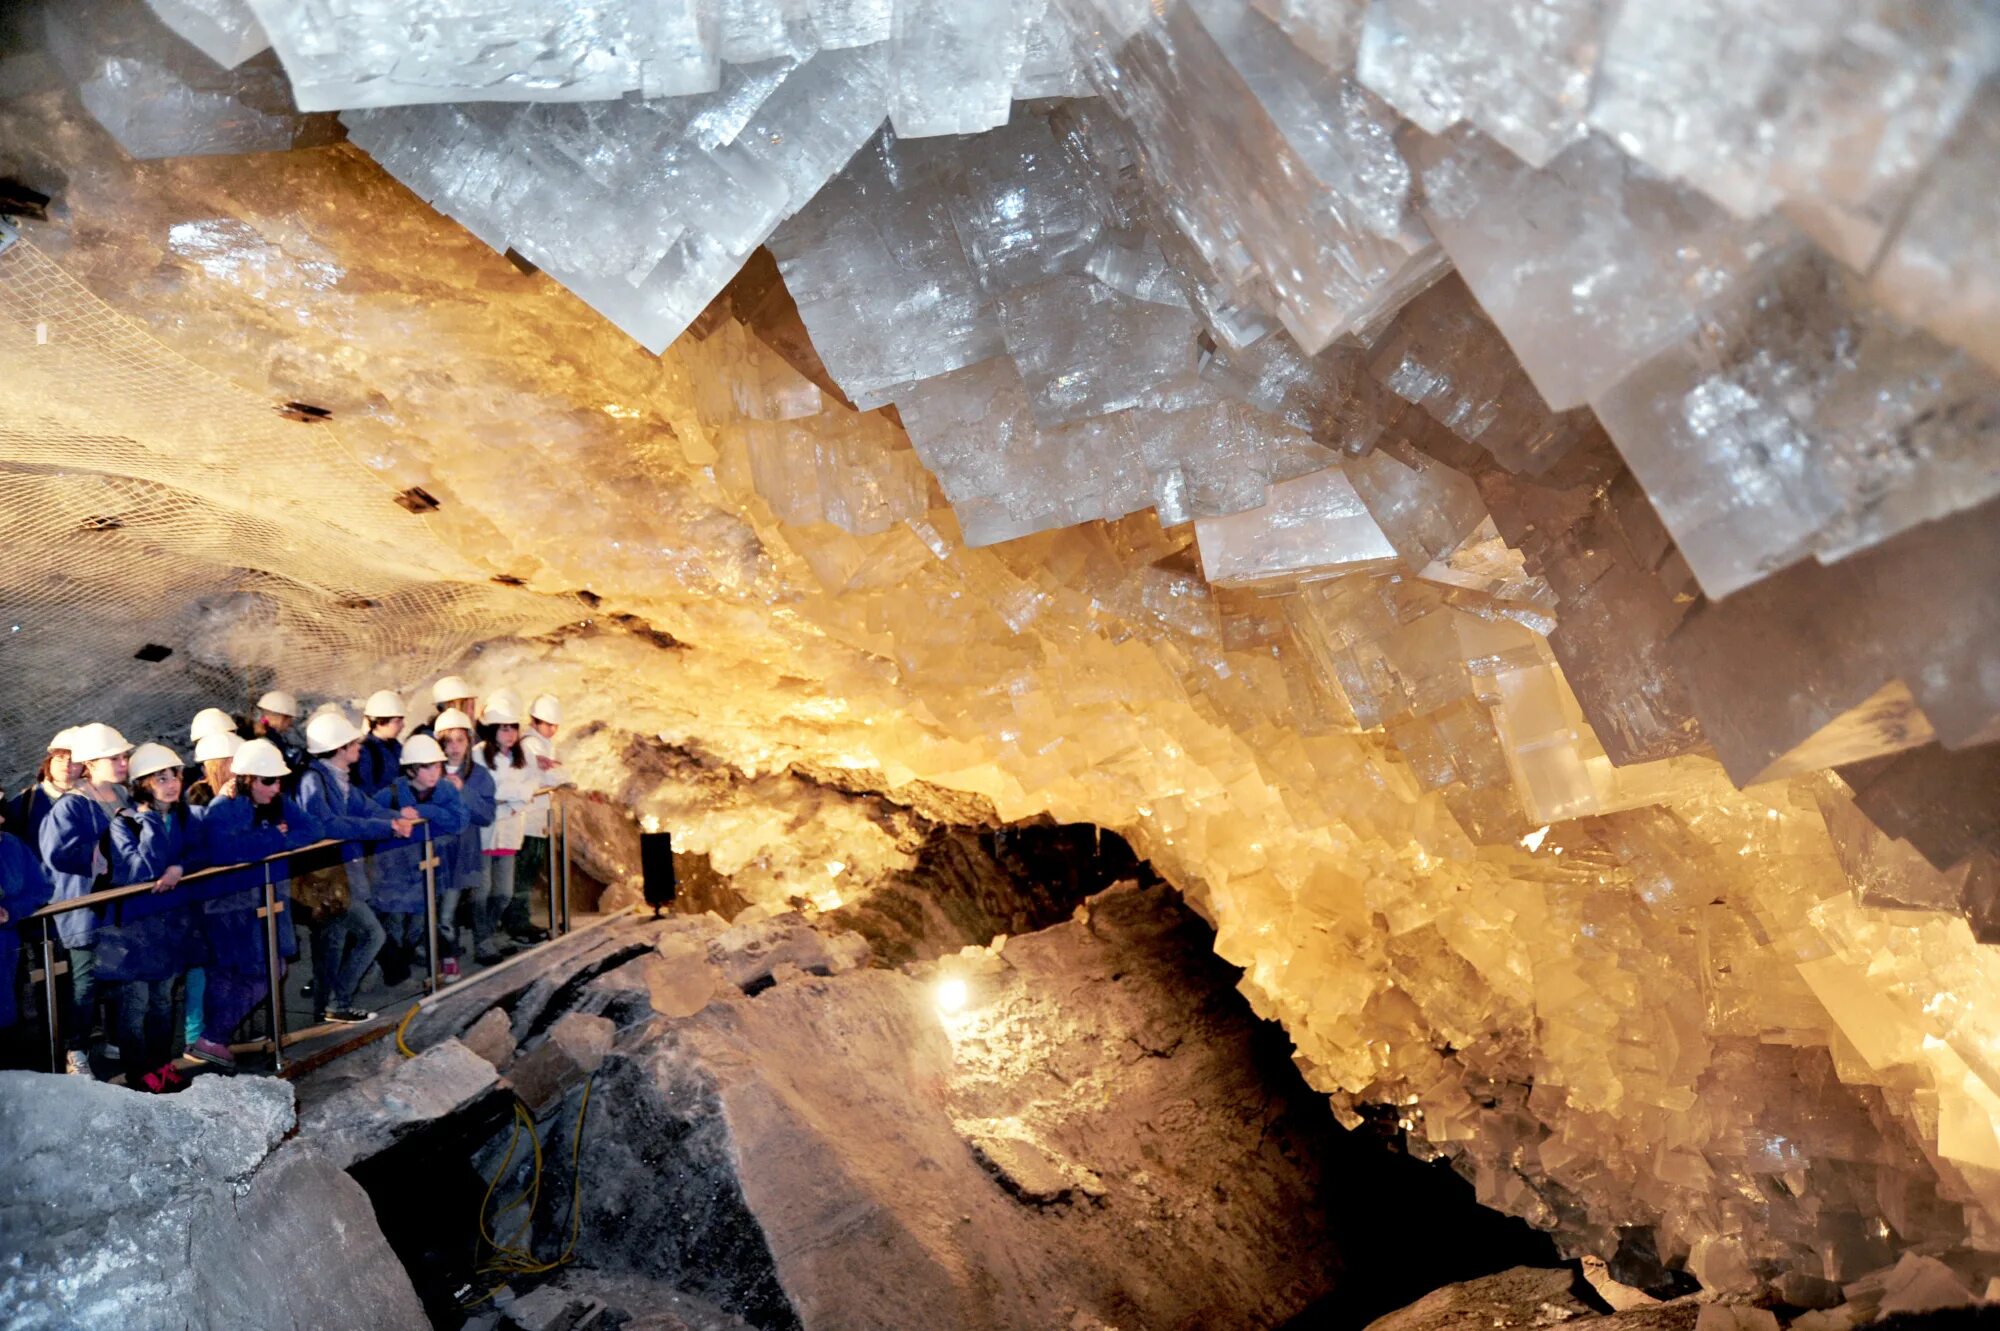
column 53, row 964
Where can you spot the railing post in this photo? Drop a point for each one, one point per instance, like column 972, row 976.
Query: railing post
column 51, row 968
column 564, row 802
column 274, row 999
column 431, row 905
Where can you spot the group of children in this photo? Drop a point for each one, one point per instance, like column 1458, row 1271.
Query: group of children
column 104, row 814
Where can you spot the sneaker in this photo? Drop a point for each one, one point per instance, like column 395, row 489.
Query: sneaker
column 489, row 956
column 530, row 936
column 155, row 1082
column 448, row 972
column 171, row 1075
column 77, row 1064
column 111, row 1052
column 215, row 1055
column 349, row 1016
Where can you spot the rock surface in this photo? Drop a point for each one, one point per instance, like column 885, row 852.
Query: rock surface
column 183, row 1212
column 1093, row 1135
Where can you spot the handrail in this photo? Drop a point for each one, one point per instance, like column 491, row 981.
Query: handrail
column 140, row 889
column 119, row 893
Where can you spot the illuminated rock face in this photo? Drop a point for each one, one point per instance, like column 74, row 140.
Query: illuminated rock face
column 1513, row 556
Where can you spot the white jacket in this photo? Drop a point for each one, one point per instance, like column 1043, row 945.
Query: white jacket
column 536, row 747
column 513, row 788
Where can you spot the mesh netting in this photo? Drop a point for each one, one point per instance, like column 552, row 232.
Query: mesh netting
column 151, row 504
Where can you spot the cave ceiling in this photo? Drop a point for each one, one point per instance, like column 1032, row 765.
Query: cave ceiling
column 1502, row 515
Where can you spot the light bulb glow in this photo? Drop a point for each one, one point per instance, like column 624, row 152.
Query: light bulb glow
column 950, row 994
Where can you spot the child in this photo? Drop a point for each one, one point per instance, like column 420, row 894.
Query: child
column 345, row 944
column 74, row 839
column 146, row 943
column 56, row 777
column 245, row 828
column 467, row 867
column 376, row 767
column 515, row 781
column 24, row 889
column 398, row 868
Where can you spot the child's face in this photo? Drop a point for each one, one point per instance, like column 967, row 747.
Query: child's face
column 424, row 776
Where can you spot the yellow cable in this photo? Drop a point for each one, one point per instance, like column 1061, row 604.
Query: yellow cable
column 509, row 1259
column 402, row 1046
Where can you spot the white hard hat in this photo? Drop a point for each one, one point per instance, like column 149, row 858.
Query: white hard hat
column 382, row 703
column 65, row 739
column 259, row 757
column 97, row 740
column 546, row 708
column 452, row 719
column 278, row 703
column 502, row 697
column 450, row 689
column 211, row 721
column 501, row 710
column 150, row 758
column 211, row 747
column 329, row 731
column 421, row 749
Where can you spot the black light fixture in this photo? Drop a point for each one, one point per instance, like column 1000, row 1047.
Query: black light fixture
column 656, row 868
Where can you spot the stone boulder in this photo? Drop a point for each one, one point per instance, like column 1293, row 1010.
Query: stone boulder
column 138, row 1212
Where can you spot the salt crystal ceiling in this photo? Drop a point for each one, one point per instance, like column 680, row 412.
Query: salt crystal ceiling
column 1497, row 501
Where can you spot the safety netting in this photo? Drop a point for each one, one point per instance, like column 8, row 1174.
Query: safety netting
column 176, row 541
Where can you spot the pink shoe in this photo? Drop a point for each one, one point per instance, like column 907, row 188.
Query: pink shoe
column 215, row 1055
column 448, row 972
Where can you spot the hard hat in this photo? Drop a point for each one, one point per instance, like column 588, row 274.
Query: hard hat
column 259, row 757
column 421, row 749
column 450, row 689
column 211, row 747
column 329, row 731
column 96, row 740
column 501, row 710
column 502, row 697
column 382, row 703
column 150, row 758
column 211, row 721
column 65, row 740
column 278, row 703
column 452, row 719
column 546, row 708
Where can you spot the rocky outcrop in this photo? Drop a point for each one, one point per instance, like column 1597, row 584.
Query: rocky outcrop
column 781, row 1133
column 182, row 1213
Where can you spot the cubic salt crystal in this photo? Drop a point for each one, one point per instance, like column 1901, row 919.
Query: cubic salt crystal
column 1323, row 254
column 1424, row 508
column 1441, row 353
column 1942, row 269
column 1340, row 130
column 1313, row 525
column 1134, row 264
column 644, row 209
column 1520, row 70
column 1589, row 265
column 226, row 31
column 954, row 64
column 1752, row 101
column 1084, row 349
column 1802, row 421
column 1331, row 396
column 851, row 469
column 1327, row 30
column 1021, row 208
column 1825, row 664
column 160, row 97
column 388, row 53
